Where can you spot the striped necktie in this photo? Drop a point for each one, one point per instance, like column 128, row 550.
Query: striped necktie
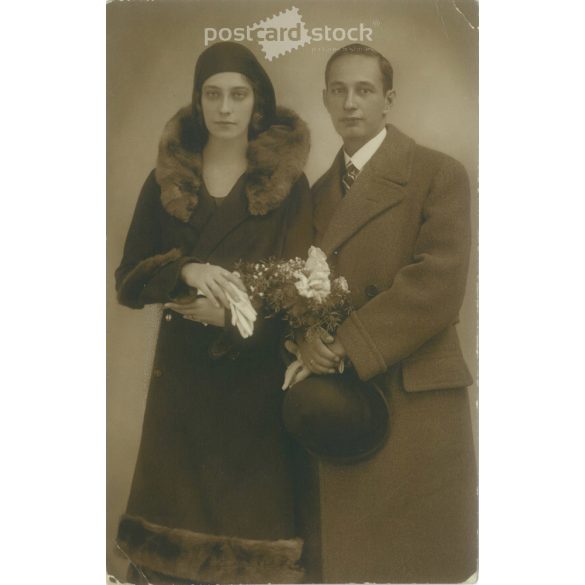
column 351, row 172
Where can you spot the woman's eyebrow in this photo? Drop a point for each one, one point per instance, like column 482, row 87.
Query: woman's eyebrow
column 239, row 87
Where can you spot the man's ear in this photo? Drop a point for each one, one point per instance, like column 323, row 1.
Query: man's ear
column 324, row 95
column 389, row 99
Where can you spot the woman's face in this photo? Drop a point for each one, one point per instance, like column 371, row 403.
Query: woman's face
column 227, row 102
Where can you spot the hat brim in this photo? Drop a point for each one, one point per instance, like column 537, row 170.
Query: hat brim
column 364, row 421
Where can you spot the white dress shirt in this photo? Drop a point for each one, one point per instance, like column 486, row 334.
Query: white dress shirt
column 365, row 153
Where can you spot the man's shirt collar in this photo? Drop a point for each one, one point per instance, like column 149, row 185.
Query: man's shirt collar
column 365, row 153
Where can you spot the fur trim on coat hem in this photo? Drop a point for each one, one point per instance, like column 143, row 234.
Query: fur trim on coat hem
column 206, row 557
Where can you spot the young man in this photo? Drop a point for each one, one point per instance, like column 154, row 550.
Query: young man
column 393, row 218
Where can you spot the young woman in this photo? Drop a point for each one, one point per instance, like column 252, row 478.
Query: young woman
column 212, row 494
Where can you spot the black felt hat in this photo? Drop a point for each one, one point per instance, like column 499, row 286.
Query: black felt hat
column 337, row 417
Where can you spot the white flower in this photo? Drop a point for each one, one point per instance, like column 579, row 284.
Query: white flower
column 316, row 285
column 317, row 261
column 342, row 283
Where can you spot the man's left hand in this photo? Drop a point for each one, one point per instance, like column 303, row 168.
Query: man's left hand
column 337, row 348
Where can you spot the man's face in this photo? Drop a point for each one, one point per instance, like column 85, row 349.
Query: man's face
column 356, row 100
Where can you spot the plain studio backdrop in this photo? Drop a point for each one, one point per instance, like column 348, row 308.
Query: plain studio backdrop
column 152, row 49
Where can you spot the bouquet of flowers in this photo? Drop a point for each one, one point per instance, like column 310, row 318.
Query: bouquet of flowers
column 304, row 293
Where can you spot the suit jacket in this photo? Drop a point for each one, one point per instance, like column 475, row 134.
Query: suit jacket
column 401, row 238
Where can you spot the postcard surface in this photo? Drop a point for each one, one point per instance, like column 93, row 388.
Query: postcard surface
column 292, row 291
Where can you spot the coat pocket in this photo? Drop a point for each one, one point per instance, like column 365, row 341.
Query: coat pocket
column 438, row 372
column 436, row 365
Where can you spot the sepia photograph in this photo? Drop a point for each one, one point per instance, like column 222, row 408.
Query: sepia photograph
column 292, row 291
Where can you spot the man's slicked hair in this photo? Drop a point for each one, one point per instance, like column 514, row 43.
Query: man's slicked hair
column 359, row 49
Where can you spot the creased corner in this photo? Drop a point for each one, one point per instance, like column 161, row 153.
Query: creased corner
column 454, row 2
column 111, row 580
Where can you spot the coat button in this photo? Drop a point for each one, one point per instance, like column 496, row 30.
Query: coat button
column 157, row 373
column 234, row 355
column 371, row 291
column 336, row 252
column 168, row 317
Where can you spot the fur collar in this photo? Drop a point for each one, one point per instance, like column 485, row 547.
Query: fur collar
column 276, row 159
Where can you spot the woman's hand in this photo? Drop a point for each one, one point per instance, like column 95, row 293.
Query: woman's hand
column 201, row 310
column 212, row 281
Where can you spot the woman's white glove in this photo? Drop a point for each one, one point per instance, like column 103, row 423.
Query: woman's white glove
column 297, row 371
column 243, row 313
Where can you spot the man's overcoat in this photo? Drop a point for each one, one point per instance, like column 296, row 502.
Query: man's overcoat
column 401, row 238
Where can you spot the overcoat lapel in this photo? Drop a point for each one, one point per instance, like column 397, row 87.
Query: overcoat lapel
column 379, row 187
column 326, row 205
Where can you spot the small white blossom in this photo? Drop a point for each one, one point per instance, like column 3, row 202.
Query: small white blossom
column 340, row 280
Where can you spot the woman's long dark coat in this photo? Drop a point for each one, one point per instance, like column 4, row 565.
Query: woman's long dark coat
column 212, row 496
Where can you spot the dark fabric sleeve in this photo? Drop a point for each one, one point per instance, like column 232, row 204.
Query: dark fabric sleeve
column 149, row 273
column 426, row 294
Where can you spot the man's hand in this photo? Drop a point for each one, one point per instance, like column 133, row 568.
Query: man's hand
column 337, row 348
column 200, row 309
column 317, row 354
column 211, row 280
